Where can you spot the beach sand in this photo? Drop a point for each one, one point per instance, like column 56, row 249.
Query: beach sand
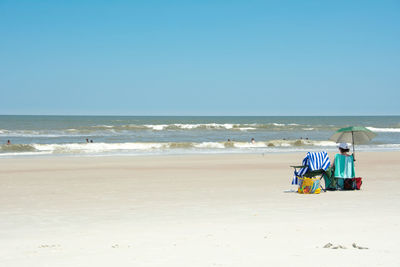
column 194, row 210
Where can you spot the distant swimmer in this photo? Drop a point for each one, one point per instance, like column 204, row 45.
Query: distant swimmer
column 253, row 141
column 8, row 142
column 228, row 143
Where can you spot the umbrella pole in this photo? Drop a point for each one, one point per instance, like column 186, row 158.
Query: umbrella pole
column 352, row 139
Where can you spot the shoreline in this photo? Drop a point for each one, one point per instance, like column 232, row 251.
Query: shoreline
column 278, row 151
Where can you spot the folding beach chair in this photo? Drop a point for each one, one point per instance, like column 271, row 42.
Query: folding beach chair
column 308, row 176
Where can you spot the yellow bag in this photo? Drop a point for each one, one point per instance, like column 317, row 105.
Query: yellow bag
column 309, row 185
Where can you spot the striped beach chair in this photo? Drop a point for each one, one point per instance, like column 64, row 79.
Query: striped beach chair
column 314, row 165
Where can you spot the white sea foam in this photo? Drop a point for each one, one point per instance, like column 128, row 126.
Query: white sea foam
column 95, row 147
column 249, row 144
column 158, row 127
column 384, row 130
column 324, row 143
column 390, row 145
column 103, row 126
column 247, row 128
column 187, row 126
column 227, row 126
column 33, row 134
column 285, row 145
column 209, row 145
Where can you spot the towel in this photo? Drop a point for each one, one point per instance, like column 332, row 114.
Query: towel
column 344, row 166
column 313, row 161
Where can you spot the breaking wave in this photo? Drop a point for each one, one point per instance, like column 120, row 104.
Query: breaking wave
column 17, row 148
column 90, row 148
column 109, row 130
column 384, row 130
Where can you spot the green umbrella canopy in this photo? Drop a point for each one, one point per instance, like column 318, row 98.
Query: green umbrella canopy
column 354, row 134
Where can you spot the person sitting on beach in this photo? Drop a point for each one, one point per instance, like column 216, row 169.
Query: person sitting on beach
column 253, row 141
column 343, row 149
column 343, row 164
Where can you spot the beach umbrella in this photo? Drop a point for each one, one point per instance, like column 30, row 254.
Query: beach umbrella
column 355, row 135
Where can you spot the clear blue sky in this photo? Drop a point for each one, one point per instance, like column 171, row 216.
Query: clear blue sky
column 200, row 57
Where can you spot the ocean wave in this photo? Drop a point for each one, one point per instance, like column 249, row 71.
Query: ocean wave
column 17, row 148
column 95, row 147
column 180, row 126
column 389, row 145
column 384, row 130
column 188, row 126
column 218, row 145
column 36, row 133
column 244, row 129
column 55, row 133
column 79, row 148
column 123, row 129
column 109, row 130
column 159, row 127
column 172, row 147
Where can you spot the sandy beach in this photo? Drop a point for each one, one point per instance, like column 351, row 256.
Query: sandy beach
column 194, row 210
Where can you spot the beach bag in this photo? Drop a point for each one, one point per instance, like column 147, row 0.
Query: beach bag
column 309, row 185
column 358, row 182
column 349, row 184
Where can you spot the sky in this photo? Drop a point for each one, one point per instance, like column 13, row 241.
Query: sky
column 200, row 57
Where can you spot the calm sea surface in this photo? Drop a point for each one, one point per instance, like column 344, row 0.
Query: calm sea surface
column 137, row 135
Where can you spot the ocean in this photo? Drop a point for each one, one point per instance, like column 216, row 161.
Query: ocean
column 150, row 135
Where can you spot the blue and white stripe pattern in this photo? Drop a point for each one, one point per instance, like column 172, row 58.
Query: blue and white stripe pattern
column 313, row 161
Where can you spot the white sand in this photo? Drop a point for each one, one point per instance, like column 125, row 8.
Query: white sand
column 209, row 210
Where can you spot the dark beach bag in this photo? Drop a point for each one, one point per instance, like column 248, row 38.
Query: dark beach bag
column 349, row 184
column 352, row 183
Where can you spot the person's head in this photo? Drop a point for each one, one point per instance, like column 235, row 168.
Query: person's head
column 343, row 148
